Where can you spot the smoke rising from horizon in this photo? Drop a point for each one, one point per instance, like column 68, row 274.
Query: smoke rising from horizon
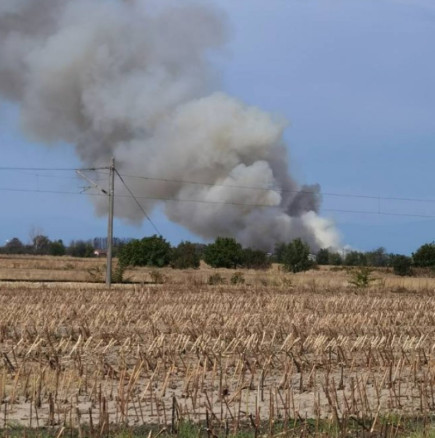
column 134, row 80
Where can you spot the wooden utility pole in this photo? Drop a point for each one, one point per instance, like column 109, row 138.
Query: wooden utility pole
column 110, row 224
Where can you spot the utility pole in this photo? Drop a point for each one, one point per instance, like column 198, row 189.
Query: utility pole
column 110, row 224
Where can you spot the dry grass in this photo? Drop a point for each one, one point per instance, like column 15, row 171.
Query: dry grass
column 280, row 346
column 48, row 268
column 92, row 270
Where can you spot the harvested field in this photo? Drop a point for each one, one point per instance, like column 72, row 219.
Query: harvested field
column 78, row 353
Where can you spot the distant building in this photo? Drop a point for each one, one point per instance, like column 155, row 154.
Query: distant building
column 100, row 253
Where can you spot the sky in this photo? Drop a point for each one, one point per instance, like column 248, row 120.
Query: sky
column 355, row 81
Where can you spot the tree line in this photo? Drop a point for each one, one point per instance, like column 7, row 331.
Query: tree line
column 424, row 257
column 224, row 252
column 42, row 245
column 294, row 256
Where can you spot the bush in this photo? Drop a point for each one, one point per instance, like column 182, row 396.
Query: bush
column 215, row 279
column 255, row 259
column 225, row 252
column 237, row 278
column 96, row 274
column 362, row 277
column 296, row 256
column 157, row 277
column 118, row 274
column 150, row 251
column 185, row 256
column 402, row 265
column 425, row 256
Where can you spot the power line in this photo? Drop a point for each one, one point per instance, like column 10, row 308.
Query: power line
column 202, row 201
column 55, row 192
column 210, row 184
column 60, row 177
column 138, row 203
column 60, row 169
column 280, row 190
column 179, row 181
column 380, row 213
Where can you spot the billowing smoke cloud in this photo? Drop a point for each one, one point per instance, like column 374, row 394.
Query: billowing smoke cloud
column 132, row 79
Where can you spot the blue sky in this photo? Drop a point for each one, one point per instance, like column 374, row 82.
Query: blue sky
column 354, row 78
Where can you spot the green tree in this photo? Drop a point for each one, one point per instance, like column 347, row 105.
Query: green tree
column 184, row 256
column 424, row 256
column 225, row 252
column 80, row 248
column 200, row 249
column 57, row 248
column 14, row 246
column 322, row 257
column 355, row 258
column 41, row 244
column 278, row 254
column 378, row 257
column 362, row 277
column 335, row 259
column 149, row 251
column 296, row 256
column 255, row 259
column 402, row 265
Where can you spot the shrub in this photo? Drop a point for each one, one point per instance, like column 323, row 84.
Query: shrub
column 185, row 256
column 237, row 278
column 225, row 252
column 296, row 256
column 286, row 282
column 157, row 277
column 362, row 277
column 215, row 279
column 96, row 274
column 402, row 265
column 150, row 251
column 118, row 274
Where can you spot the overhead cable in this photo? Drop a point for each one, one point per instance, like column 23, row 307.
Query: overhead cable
column 138, row 203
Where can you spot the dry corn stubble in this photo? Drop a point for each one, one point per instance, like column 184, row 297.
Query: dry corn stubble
column 157, row 354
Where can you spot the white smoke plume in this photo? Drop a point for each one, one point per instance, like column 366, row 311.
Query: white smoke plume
column 132, row 79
